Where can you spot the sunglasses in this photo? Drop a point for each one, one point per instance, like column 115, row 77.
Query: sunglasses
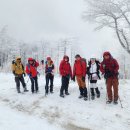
column 18, row 59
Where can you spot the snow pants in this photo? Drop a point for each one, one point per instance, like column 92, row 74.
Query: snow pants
column 93, row 85
column 34, row 84
column 82, row 86
column 49, row 79
column 18, row 80
column 65, row 84
column 112, row 83
column 80, row 82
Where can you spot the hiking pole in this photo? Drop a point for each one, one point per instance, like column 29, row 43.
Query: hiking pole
column 106, row 91
column 120, row 102
column 88, row 89
column 28, row 80
column 45, row 91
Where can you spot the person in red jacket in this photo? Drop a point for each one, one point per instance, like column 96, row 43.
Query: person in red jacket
column 66, row 73
column 31, row 70
column 109, row 68
column 80, row 70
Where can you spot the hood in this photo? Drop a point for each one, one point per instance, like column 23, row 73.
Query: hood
column 106, row 53
column 30, row 59
column 48, row 58
column 18, row 57
column 93, row 56
column 66, row 57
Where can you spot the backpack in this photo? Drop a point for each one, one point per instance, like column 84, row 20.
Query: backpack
column 85, row 61
column 15, row 64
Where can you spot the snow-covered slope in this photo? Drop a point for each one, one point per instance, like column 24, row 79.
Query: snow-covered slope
column 24, row 111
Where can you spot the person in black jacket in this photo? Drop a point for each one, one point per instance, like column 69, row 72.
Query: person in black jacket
column 93, row 72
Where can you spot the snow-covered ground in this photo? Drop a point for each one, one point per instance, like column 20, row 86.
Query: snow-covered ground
column 37, row 112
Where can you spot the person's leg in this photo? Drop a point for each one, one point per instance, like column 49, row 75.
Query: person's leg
column 96, row 88
column 36, row 84
column 92, row 89
column 85, row 94
column 80, row 86
column 115, row 87
column 67, row 86
column 47, row 83
column 109, row 89
column 32, row 85
column 51, row 83
column 23, row 83
column 97, row 92
column 62, row 86
column 17, row 84
column 85, row 91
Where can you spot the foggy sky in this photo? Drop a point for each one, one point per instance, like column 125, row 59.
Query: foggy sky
column 31, row 20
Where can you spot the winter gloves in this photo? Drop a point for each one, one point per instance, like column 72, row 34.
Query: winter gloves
column 30, row 75
column 24, row 74
column 73, row 78
column 83, row 78
column 16, row 75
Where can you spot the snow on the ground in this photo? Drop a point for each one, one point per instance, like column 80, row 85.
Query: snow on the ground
column 14, row 120
column 24, row 111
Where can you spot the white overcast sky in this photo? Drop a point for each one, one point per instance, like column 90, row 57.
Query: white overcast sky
column 31, row 20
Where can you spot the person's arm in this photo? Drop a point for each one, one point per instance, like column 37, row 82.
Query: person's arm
column 116, row 67
column 53, row 67
column 102, row 68
column 24, row 72
column 61, row 68
column 74, row 71
column 27, row 70
column 13, row 69
column 84, row 65
column 71, row 72
column 37, row 64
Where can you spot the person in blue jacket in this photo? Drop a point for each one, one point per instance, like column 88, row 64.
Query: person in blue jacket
column 49, row 71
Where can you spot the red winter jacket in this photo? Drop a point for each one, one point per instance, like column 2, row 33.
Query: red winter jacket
column 80, row 68
column 32, row 69
column 110, row 65
column 65, row 68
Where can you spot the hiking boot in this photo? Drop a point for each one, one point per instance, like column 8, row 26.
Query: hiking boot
column 81, row 96
column 98, row 95
column 25, row 90
column 37, row 91
column 92, row 97
column 51, row 92
column 61, row 95
column 67, row 93
column 85, row 98
column 115, row 102
column 19, row 91
column 109, row 102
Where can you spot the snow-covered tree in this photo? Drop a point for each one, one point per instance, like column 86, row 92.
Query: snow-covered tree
column 114, row 14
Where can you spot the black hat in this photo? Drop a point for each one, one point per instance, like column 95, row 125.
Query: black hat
column 77, row 56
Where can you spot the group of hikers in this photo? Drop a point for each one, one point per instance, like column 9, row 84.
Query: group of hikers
column 81, row 69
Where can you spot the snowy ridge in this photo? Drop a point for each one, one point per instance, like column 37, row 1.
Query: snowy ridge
column 70, row 113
